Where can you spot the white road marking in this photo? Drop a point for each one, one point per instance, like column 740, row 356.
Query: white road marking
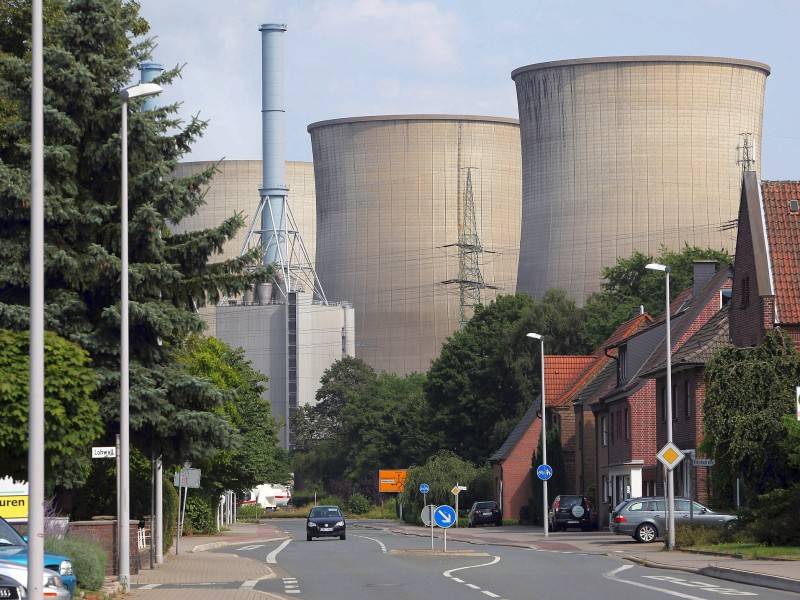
column 490, row 594
column 472, row 585
column 382, row 545
column 272, row 556
column 612, row 575
column 248, row 585
column 250, row 547
column 149, row 586
column 710, row 587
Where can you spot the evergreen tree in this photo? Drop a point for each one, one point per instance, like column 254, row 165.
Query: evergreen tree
column 90, row 53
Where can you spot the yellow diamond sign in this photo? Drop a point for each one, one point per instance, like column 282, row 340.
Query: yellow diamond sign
column 670, row 455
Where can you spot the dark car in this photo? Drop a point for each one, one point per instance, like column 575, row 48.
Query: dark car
column 14, row 548
column 645, row 519
column 325, row 521
column 571, row 512
column 484, row 512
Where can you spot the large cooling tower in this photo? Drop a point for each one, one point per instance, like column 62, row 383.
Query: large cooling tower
column 628, row 153
column 390, row 191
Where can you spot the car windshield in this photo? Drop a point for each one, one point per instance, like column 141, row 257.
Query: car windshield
column 484, row 505
column 9, row 535
column 325, row 511
column 570, row 501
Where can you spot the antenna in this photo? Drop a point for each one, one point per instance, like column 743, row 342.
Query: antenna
column 470, row 279
column 744, row 151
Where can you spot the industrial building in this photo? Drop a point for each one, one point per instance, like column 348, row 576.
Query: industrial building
column 630, row 153
column 395, row 197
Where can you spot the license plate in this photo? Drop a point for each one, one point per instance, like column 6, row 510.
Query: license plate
column 569, row 522
column 326, row 528
column 487, row 513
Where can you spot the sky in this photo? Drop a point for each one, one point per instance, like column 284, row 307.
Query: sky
column 352, row 58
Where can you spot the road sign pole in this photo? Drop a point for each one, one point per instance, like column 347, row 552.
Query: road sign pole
column 430, row 514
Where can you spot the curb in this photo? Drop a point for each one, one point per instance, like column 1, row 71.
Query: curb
column 775, row 582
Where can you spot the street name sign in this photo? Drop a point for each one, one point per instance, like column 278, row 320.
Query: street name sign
column 704, row 462
column 104, row 451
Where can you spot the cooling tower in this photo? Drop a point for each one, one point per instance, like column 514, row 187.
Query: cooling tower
column 630, row 153
column 389, row 196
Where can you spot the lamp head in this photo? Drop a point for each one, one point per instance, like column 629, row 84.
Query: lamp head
column 140, row 90
column 535, row 336
column 657, row 267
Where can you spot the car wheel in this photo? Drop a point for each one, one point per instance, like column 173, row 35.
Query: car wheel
column 729, row 526
column 343, row 536
column 309, row 537
column 646, row 533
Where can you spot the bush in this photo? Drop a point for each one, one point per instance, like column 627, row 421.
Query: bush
column 199, row 517
column 687, row 536
column 358, row 504
column 249, row 513
column 88, row 560
column 773, row 519
column 169, row 504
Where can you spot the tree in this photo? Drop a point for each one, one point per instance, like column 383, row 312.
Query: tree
column 557, row 484
column 89, row 55
column 258, row 457
column 749, row 393
column 72, row 418
column 629, row 285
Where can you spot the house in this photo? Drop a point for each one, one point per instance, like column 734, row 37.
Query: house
column 564, row 377
column 767, row 272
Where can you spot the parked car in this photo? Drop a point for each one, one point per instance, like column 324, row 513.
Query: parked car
column 481, row 513
column 569, row 511
column 52, row 585
column 326, row 521
column 645, row 519
column 10, row 589
column 14, row 548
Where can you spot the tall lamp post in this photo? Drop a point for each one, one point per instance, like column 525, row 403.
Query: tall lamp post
column 540, row 337
column 670, row 475
column 136, row 91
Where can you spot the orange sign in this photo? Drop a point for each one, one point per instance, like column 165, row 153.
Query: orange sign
column 393, row 480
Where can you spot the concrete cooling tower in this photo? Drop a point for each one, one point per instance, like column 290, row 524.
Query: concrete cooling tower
column 628, row 153
column 235, row 189
column 390, row 204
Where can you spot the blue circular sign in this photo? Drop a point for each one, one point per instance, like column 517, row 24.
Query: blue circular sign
column 423, row 488
column 444, row 516
column 544, row 472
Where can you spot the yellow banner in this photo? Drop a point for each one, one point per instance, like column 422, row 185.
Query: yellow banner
column 14, row 507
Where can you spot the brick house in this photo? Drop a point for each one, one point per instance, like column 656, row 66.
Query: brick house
column 767, row 272
column 627, row 409
column 565, row 377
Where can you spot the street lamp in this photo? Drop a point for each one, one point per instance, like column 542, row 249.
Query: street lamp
column 670, row 475
column 540, row 337
column 136, row 91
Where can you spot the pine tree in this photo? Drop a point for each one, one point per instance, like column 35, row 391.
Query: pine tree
column 91, row 51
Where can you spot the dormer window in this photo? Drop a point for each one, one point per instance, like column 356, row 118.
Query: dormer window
column 622, row 355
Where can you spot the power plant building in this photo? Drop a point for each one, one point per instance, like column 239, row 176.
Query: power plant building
column 630, row 153
column 390, row 212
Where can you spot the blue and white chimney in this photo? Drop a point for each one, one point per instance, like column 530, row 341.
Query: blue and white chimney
column 273, row 187
column 148, row 71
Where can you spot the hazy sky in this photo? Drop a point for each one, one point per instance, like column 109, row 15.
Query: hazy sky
column 349, row 58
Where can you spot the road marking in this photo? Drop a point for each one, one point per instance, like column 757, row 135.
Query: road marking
column 248, row 585
column 150, row 586
column 710, row 587
column 612, row 575
column 250, row 547
column 273, row 556
column 472, row 585
column 290, row 585
column 490, row 594
column 382, row 545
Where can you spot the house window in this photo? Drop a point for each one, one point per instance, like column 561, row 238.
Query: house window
column 622, row 357
column 611, row 427
column 687, row 403
column 627, row 424
column 604, row 430
column 745, row 292
column 674, row 402
column 663, row 404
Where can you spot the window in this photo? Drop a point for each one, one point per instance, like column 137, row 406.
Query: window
column 622, row 357
column 611, row 427
column 745, row 292
column 674, row 402
column 663, row 404
column 687, row 401
column 604, row 430
column 627, row 424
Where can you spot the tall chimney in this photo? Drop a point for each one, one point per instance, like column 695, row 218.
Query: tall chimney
column 273, row 186
column 147, row 72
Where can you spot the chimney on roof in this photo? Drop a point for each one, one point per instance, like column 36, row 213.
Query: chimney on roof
column 703, row 272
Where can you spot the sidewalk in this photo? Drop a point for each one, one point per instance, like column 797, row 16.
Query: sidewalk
column 193, row 565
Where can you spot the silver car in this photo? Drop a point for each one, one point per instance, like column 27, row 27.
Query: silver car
column 645, row 519
column 53, row 586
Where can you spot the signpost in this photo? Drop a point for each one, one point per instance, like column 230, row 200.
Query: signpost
column 444, row 516
column 424, row 489
column 184, row 479
column 670, row 456
column 704, row 462
column 456, row 490
column 392, row 480
column 104, row 452
column 544, row 472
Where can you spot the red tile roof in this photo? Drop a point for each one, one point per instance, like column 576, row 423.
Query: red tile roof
column 783, row 234
column 560, row 372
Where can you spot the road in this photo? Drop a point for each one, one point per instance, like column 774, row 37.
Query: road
column 377, row 564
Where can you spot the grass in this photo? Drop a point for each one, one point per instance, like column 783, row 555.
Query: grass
column 752, row 550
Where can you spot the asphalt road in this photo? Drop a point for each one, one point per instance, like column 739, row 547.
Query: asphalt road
column 377, row 564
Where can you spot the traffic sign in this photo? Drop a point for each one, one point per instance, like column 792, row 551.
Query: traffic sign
column 670, row 455
column 104, row 451
column 426, row 513
column 444, row 516
column 423, row 488
column 544, row 472
column 703, row 462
